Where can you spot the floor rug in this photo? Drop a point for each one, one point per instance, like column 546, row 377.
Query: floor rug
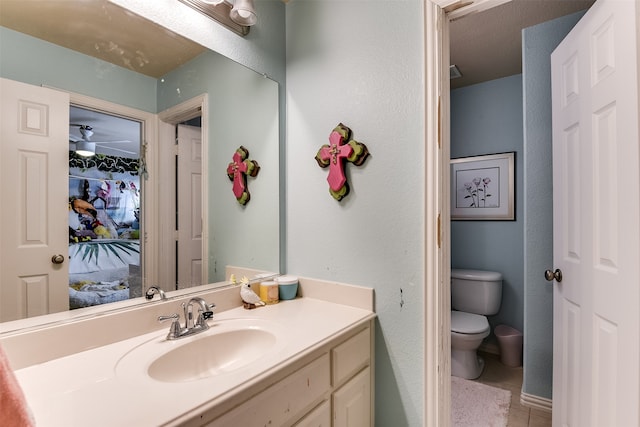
column 475, row 404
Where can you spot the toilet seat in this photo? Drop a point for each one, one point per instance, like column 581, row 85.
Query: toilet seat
column 468, row 323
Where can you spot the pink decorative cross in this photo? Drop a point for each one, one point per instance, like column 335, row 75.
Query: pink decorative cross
column 237, row 172
column 341, row 149
column 336, row 152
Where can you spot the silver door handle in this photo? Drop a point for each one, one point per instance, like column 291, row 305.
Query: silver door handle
column 553, row 275
column 57, row 259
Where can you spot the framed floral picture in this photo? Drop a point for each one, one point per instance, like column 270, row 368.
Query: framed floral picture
column 482, row 187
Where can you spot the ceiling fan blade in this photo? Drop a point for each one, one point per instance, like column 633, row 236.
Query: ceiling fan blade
column 124, row 141
column 107, row 149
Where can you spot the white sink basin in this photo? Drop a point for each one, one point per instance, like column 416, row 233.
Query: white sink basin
column 211, row 354
column 227, row 346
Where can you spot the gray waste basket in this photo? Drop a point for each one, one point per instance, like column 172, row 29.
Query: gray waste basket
column 510, row 343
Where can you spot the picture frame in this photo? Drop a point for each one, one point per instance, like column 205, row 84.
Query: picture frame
column 482, row 187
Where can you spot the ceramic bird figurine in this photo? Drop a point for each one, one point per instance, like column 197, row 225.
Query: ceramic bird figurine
column 249, row 297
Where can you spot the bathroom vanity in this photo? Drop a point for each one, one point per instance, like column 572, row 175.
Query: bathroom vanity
column 303, row 362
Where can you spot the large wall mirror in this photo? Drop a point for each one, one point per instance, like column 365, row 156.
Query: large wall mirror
column 119, row 66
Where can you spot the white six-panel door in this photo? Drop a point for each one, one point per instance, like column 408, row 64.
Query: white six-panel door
column 34, row 169
column 189, row 206
column 596, row 185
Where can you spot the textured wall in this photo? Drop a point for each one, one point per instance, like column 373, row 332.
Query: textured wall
column 538, row 42
column 361, row 63
column 487, row 118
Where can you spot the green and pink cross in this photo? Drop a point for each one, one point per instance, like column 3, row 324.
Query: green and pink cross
column 237, row 172
column 341, row 149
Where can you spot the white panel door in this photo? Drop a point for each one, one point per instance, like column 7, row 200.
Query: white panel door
column 596, row 185
column 189, row 206
column 34, row 169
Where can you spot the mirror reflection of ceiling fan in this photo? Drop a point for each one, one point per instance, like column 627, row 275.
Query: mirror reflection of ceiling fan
column 85, row 146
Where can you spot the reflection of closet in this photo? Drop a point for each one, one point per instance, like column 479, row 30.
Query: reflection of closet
column 104, row 246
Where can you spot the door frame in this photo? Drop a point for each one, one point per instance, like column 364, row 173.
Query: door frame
column 149, row 151
column 437, row 265
column 167, row 120
column 437, row 304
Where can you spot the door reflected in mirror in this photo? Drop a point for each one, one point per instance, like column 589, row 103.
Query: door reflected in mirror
column 240, row 107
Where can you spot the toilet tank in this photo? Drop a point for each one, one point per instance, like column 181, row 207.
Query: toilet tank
column 476, row 291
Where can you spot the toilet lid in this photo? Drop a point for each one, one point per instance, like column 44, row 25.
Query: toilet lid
column 468, row 323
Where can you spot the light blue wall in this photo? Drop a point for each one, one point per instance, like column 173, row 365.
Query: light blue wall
column 362, row 63
column 487, row 118
column 538, row 42
column 243, row 110
column 30, row 60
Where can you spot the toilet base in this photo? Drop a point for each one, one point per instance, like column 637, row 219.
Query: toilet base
column 466, row 364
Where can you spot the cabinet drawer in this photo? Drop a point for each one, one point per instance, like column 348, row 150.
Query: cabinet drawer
column 277, row 404
column 319, row 417
column 350, row 356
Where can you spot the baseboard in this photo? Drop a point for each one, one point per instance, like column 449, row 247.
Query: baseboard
column 537, row 402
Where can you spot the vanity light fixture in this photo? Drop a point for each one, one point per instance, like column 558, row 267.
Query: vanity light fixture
column 237, row 16
column 85, row 148
column 244, row 12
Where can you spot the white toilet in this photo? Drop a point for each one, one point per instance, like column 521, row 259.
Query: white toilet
column 474, row 295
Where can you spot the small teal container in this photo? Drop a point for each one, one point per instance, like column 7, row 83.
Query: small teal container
column 287, row 287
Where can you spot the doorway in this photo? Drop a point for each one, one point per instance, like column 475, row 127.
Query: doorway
column 105, row 196
column 183, row 199
column 532, row 281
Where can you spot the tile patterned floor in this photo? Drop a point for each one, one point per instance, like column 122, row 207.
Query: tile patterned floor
column 498, row 375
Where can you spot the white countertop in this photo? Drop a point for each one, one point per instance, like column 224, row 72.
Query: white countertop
column 86, row 388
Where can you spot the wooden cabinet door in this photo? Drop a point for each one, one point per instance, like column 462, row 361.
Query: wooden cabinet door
column 352, row 402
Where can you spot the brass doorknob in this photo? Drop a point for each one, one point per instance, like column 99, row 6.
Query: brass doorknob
column 57, row 259
column 553, row 275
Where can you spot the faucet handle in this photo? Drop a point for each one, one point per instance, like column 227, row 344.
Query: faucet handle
column 174, row 316
column 174, row 329
column 205, row 315
column 208, row 314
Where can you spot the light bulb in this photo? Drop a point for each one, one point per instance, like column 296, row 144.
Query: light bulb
column 244, row 13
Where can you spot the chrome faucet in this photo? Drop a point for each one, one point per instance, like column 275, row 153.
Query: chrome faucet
column 205, row 311
column 154, row 290
column 191, row 327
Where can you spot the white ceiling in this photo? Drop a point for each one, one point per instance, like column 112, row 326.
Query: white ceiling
column 488, row 45
column 103, row 30
column 113, row 135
